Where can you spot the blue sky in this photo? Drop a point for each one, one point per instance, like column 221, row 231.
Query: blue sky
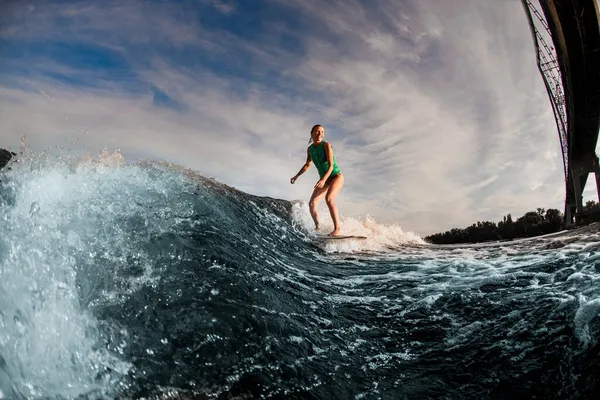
column 435, row 109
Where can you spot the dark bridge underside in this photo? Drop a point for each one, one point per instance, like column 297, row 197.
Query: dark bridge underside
column 576, row 36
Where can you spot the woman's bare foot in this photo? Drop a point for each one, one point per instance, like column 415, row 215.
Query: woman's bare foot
column 335, row 232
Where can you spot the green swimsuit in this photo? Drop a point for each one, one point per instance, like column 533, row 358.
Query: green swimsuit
column 317, row 155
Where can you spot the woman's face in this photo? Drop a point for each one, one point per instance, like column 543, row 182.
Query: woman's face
column 317, row 134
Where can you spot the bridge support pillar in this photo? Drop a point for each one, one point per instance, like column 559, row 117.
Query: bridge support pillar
column 579, row 174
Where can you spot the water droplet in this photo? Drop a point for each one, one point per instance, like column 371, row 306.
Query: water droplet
column 72, row 238
column 214, row 292
column 35, row 207
column 150, row 351
column 164, row 341
column 17, row 319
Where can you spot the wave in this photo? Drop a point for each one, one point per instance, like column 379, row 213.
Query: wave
column 152, row 281
column 81, row 236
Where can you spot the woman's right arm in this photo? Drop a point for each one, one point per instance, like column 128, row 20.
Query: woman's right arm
column 304, row 167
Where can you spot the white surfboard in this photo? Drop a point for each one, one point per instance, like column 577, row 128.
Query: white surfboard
column 340, row 237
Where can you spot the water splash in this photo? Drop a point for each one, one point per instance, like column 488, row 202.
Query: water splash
column 380, row 236
column 149, row 280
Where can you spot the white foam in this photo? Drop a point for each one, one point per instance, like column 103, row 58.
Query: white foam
column 48, row 341
column 588, row 311
column 379, row 236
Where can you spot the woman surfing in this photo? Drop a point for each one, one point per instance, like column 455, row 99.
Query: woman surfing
column 320, row 153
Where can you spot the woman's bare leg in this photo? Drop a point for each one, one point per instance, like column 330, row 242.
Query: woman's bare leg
column 316, row 197
column 334, row 188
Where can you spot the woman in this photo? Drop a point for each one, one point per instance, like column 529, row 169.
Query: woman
column 321, row 153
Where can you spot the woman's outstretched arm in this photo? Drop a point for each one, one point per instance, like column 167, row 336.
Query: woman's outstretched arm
column 303, row 169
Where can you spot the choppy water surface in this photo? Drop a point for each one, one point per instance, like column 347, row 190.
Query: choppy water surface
column 148, row 281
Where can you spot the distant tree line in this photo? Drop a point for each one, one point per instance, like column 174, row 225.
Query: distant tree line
column 532, row 223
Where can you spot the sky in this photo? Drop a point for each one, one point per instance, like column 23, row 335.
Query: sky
column 435, row 109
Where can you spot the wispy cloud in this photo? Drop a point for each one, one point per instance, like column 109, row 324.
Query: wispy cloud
column 436, row 111
column 223, row 7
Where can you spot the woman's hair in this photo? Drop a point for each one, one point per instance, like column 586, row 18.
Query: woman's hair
column 312, row 130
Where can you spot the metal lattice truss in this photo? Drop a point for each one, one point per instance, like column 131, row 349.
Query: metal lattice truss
column 550, row 70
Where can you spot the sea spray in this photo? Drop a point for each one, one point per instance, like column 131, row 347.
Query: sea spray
column 152, row 281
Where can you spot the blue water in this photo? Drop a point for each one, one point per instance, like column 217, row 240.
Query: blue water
column 151, row 281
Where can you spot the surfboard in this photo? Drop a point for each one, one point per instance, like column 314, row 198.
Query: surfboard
column 327, row 237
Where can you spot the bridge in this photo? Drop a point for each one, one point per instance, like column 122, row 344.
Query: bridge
column 566, row 35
